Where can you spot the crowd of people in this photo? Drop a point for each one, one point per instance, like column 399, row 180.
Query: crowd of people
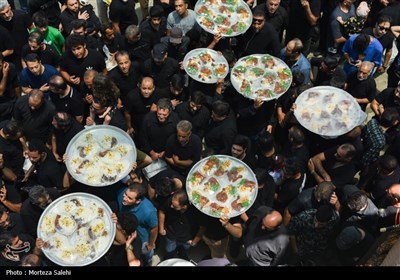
column 62, row 69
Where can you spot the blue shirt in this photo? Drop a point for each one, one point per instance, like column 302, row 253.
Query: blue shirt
column 302, row 65
column 28, row 79
column 145, row 212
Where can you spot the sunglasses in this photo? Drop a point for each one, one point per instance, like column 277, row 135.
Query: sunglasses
column 382, row 28
column 258, row 20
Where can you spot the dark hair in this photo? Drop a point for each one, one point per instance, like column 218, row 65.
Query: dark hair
column 242, row 141
column 229, row 55
column 128, row 222
column 323, row 192
column 36, row 37
column 36, row 145
column 356, row 201
column 164, row 186
column 164, row 103
column 6, row 238
column 139, row 189
column 296, row 135
column 258, row 13
column 221, row 108
column 32, row 57
column 37, row 192
column 350, row 150
column 121, row 53
column 298, row 78
column 197, row 97
column 292, row 166
column 266, row 142
column 298, row 45
column 331, row 62
column 182, row 197
column 66, row 121
column 361, row 43
column 389, row 117
column 178, row 81
column 12, row 128
column 261, row 175
column 105, row 90
column 324, row 214
column 384, row 18
column 156, row 11
column 75, row 40
column 387, row 163
column 40, row 19
column 78, row 23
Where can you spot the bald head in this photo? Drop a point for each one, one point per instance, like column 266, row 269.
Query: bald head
column 271, row 221
column 36, row 99
column 394, row 192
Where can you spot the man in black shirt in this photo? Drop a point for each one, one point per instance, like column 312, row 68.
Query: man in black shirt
column 183, row 149
column 389, row 97
column 36, row 115
column 275, row 14
column 45, row 52
column 50, row 8
column 9, row 88
column 11, row 147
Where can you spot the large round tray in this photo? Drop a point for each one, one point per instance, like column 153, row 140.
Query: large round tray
column 327, row 111
column 85, row 241
column 104, row 163
column 205, row 65
column 225, row 17
column 216, row 174
column 261, row 76
column 176, row 262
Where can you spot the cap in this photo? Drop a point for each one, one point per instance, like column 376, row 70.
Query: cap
column 159, row 51
column 348, row 237
column 175, row 36
column 362, row 9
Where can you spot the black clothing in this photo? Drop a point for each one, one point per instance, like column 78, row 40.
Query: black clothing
column 31, row 213
column 36, row 123
column 214, row 229
column 386, row 40
column 154, row 135
column 287, row 191
column 279, row 20
column 265, row 196
column 93, row 22
column 141, row 50
column 49, row 173
column 220, row 135
column 361, row 89
column 64, row 137
column 16, row 225
column 126, row 83
column 12, row 153
column 118, row 254
column 50, row 8
column 154, row 33
column 380, row 183
column 198, row 119
column 48, row 56
column 264, row 41
column 304, row 201
column 191, row 151
column 388, row 99
column 161, row 74
column 117, row 119
column 179, row 51
column 7, row 100
column 72, row 103
column 124, row 13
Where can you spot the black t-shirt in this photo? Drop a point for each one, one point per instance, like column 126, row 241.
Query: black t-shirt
column 288, row 191
column 380, row 183
column 16, row 225
column 36, row 123
column 199, row 119
column 304, row 201
column 171, row 174
column 265, row 196
column 160, row 73
column 49, row 172
column 48, row 56
column 118, row 256
column 124, row 13
column 77, row 67
column 178, row 225
column 11, row 83
column 12, row 153
column 64, row 137
column 388, row 99
column 386, row 40
column 50, row 8
column 72, row 103
column 361, row 89
column 214, row 228
column 341, row 175
column 126, row 83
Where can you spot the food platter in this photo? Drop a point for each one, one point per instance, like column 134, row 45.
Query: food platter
column 225, row 17
column 221, row 185
column 176, row 262
column 261, row 76
column 77, row 229
column 205, row 65
column 327, row 111
column 100, row 155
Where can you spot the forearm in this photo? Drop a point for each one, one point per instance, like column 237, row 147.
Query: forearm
column 153, row 236
column 235, row 230
column 14, row 207
column 310, row 16
column 131, row 258
column 8, row 174
column 3, row 85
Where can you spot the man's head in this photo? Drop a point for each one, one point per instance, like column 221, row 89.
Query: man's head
column 72, row 5
column 147, row 87
column 382, row 26
column 133, row 195
column 77, row 44
column 387, row 164
column 365, row 70
column 34, row 64
column 196, row 100
column 180, row 200
column 296, row 135
column 159, row 53
column 393, row 193
column 291, row 168
column 240, row 146
column 5, row 221
column 177, row 84
column 164, row 109
column 271, row 221
column 39, row 196
column 175, row 37
column 323, row 215
column 107, row 32
column 183, row 132
column 62, row 120
column 329, row 64
column 323, row 192
column 41, row 22
column 8, row 239
column 36, row 99
column 357, row 202
column 36, row 151
column 258, row 20
column 220, row 110
column 272, row 6
column 361, row 43
column 5, row 11
column 88, row 78
column 79, row 27
column 294, row 49
column 123, row 61
column 181, row 7
column 156, row 12
column 58, row 85
column 345, row 153
column 389, row 117
column 128, row 222
column 12, row 130
column 132, row 34
column 35, row 41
